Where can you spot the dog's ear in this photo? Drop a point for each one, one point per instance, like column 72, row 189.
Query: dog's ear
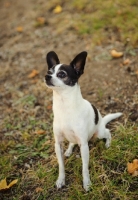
column 78, row 63
column 52, row 59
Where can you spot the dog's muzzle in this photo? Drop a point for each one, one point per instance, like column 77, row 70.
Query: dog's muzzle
column 48, row 80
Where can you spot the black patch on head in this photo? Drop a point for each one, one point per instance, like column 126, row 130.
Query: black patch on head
column 72, row 78
column 96, row 114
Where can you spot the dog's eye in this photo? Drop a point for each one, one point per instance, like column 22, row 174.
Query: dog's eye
column 61, row 74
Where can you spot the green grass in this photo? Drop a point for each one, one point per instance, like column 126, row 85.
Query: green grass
column 102, row 21
column 34, row 163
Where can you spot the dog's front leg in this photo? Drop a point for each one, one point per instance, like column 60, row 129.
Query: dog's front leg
column 59, row 153
column 85, row 165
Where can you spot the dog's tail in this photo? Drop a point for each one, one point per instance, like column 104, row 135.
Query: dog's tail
column 110, row 117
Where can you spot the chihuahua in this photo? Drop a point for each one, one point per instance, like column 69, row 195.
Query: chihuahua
column 74, row 117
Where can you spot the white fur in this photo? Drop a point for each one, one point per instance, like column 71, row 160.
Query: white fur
column 74, row 119
column 56, row 81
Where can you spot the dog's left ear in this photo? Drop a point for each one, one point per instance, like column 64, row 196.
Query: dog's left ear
column 52, row 59
column 78, row 63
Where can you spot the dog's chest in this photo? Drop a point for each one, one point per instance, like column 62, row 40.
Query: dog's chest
column 66, row 120
column 73, row 117
column 65, row 111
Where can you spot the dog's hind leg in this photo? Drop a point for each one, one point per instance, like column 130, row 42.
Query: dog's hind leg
column 104, row 133
column 69, row 150
column 108, row 138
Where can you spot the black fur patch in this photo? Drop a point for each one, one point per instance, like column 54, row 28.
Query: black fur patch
column 72, row 78
column 96, row 114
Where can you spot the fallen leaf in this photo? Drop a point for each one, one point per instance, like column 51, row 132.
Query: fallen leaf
column 19, row 29
column 57, row 9
column 136, row 72
column 39, row 189
column 41, row 20
column 40, row 132
column 126, row 61
column 49, row 107
column 116, row 54
column 3, row 184
column 135, row 173
column 7, row 4
column 33, row 73
column 132, row 168
column 12, row 183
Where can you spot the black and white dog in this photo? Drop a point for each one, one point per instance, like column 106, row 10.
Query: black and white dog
column 74, row 117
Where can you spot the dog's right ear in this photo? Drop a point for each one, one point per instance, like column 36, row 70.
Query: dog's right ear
column 52, row 59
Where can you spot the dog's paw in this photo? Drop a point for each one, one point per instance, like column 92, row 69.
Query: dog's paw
column 60, row 183
column 107, row 144
column 86, row 184
column 68, row 153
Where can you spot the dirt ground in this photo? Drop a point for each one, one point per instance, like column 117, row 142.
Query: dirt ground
column 107, row 83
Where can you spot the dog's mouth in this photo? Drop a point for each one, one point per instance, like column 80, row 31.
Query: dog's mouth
column 48, row 80
column 48, row 83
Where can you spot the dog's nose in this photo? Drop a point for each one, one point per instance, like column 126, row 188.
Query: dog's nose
column 48, row 77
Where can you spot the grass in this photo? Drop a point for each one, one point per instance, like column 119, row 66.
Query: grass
column 107, row 19
column 104, row 21
column 34, row 163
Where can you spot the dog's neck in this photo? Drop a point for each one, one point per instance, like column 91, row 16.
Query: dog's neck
column 68, row 96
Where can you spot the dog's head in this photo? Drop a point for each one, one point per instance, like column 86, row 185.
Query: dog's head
column 61, row 75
